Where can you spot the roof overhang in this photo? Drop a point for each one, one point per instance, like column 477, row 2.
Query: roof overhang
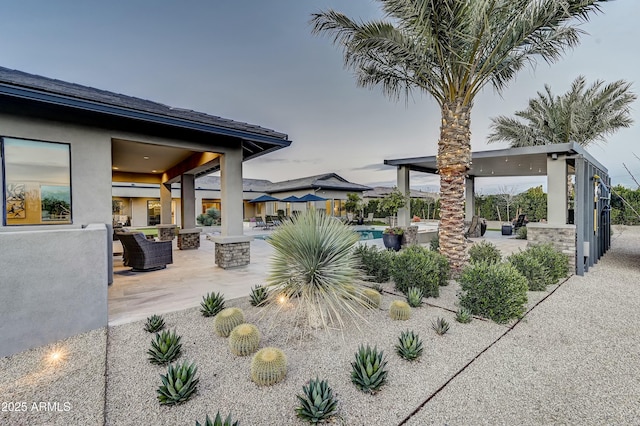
column 524, row 161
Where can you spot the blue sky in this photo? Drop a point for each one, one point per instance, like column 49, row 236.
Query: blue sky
column 256, row 61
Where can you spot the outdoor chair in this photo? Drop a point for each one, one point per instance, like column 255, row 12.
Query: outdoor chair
column 473, row 231
column 520, row 222
column 370, row 218
column 144, row 255
column 259, row 223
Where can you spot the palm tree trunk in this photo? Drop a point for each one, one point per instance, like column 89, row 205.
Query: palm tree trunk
column 454, row 157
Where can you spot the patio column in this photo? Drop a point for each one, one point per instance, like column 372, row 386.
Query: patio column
column 165, row 204
column 556, row 190
column 232, row 246
column 404, row 213
column 469, row 197
column 189, row 235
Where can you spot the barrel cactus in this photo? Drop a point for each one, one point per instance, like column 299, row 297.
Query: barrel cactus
column 227, row 319
column 268, row 366
column 399, row 310
column 244, row 339
column 371, row 297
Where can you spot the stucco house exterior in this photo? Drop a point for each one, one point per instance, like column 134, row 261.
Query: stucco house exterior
column 62, row 145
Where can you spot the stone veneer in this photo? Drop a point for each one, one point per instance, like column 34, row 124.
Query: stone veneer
column 166, row 232
column 410, row 235
column 231, row 255
column 563, row 237
column 189, row 239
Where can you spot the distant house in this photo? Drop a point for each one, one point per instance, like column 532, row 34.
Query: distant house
column 139, row 204
column 379, row 192
column 62, row 146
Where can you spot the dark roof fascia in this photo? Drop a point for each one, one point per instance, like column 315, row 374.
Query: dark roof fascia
column 92, row 106
column 359, row 188
column 570, row 148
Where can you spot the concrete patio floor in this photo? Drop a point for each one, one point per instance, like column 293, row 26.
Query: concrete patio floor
column 137, row 295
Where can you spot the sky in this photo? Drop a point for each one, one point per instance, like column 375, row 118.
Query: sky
column 256, row 61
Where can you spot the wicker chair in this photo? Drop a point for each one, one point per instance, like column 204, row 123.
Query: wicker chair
column 144, row 255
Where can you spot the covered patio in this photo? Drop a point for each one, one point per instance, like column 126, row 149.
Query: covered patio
column 581, row 230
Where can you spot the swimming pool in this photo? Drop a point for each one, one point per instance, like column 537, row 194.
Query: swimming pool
column 369, row 234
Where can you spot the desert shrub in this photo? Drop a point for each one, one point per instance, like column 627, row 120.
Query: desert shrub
column 537, row 275
column 418, row 267
column 484, row 251
column 209, row 218
column 496, row 291
column 374, row 262
column 556, row 262
column 521, row 233
column 313, row 267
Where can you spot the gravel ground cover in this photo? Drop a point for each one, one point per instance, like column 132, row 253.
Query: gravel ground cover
column 34, row 390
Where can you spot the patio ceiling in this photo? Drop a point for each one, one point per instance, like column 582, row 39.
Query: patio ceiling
column 525, row 161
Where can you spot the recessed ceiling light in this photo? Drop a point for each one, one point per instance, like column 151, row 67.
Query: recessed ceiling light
column 145, row 157
column 114, row 168
column 154, row 171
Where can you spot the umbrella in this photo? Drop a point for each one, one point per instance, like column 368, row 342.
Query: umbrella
column 264, row 199
column 311, row 198
column 292, row 199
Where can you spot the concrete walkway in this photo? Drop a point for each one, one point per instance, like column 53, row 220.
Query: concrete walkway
column 574, row 359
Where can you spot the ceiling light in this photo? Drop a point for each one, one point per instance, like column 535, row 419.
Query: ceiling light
column 114, row 168
column 154, row 171
column 145, row 157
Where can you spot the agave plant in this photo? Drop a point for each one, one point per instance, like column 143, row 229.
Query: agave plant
column 368, row 370
column 154, row 323
column 414, row 297
column 179, row 384
column 409, row 346
column 317, row 404
column 440, row 326
column 218, row 421
column 258, row 295
column 314, row 269
column 211, row 304
column 165, row 348
column 464, row 316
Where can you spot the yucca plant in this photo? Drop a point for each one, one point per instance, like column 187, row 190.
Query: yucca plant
column 317, row 404
column 179, row 384
column 464, row 316
column 314, row 269
column 258, row 295
column 218, row 421
column 154, row 323
column 368, row 370
column 211, row 304
column 165, row 348
column 409, row 346
column 440, row 326
column 414, row 297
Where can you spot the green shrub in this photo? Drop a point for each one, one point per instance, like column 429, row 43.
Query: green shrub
column 538, row 276
column 551, row 258
column 521, row 233
column 435, row 243
column 419, row 267
column 484, row 251
column 209, row 218
column 374, row 262
column 496, row 291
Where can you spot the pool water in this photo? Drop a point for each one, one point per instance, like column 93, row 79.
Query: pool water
column 369, row 234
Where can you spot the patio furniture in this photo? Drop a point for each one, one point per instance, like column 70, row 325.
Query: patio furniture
column 473, row 231
column 144, row 255
column 370, row 217
column 258, row 223
column 520, row 222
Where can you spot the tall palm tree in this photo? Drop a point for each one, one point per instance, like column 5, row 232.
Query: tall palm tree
column 583, row 115
column 451, row 49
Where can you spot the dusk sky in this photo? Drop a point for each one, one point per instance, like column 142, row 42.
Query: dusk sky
column 257, row 62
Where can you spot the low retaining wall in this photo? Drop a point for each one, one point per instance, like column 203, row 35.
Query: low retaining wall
column 563, row 237
column 53, row 285
column 189, row 239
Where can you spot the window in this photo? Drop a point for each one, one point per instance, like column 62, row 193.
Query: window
column 153, row 212
column 37, row 182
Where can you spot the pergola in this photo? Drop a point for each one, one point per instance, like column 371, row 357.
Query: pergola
column 584, row 230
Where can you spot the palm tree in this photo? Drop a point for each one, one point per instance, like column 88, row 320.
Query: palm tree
column 581, row 115
column 451, row 49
